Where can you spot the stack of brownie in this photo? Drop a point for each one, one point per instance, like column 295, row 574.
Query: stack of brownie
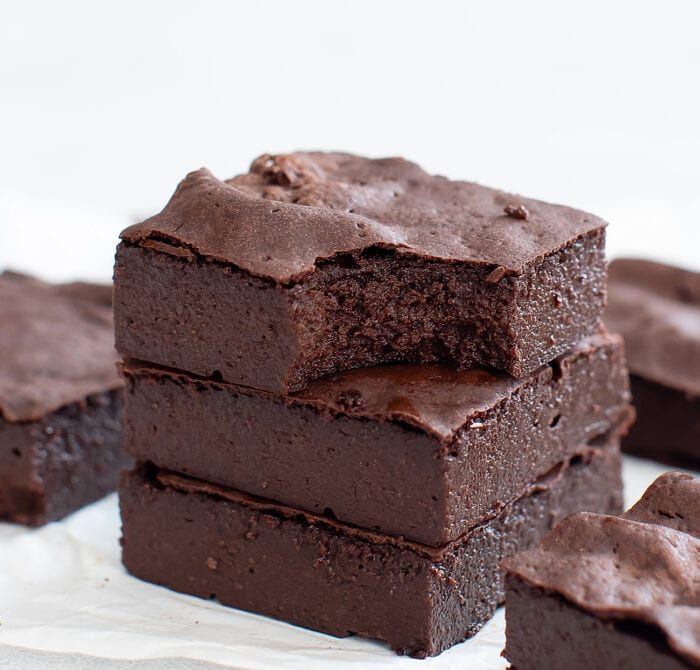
column 353, row 388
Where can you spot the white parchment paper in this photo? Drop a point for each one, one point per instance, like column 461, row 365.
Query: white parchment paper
column 67, row 602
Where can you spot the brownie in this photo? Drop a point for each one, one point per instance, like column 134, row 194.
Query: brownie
column 612, row 592
column 424, row 452
column 316, row 263
column 314, row 571
column 61, row 399
column 656, row 308
column 667, row 428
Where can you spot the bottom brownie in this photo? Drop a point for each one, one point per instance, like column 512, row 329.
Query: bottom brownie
column 545, row 632
column 313, row 571
column 55, row 465
column 667, row 427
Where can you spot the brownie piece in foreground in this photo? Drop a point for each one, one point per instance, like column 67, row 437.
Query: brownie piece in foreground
column 313, row 571
column 423, row 452
column 656, row 308
column 316, row 263
column 61, row 399
column 607, row 592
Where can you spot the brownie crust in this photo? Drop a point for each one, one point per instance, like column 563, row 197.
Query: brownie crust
column 638, row 571
column 667, row 428
column 69, row 458
column 56, row 345
column 656, row 308
column 537, row 621
column 273, row 293
column 314, row 571
column 413, row 451
column 61, row 398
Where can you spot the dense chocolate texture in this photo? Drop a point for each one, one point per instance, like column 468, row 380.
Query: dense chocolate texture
column 424, row 452
column 546, row 632
column 317, row 263
column 61, row 399
column 69, row 458
column 667, row 427
column 656, row 308
column 606, row 585
column 313, row 571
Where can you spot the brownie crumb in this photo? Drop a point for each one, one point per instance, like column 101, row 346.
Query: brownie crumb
column 350, row 399
column 517, row 212
column 496, row 275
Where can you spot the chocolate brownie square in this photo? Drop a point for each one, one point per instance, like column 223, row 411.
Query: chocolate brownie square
column 612, row 592
column 316, row 263
column 61, row 400
column 656, row 308
column 314, row 571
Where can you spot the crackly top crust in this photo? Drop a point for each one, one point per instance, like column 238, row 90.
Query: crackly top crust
column 433, row 398
column 656, row 308
column 292, row 210
column 643, row 566
column 56, row 345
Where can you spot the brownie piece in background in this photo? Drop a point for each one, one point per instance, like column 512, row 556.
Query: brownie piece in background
column 424, row 452
column 656, row 308
column 612, row 592
column 61, row 399
column 314, row 571
column 316, row 263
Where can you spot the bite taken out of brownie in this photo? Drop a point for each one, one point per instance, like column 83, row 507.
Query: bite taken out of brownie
column 612, row 592
column 316, row 263
column 61, row 399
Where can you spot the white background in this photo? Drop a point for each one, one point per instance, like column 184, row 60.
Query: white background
column 104, row 107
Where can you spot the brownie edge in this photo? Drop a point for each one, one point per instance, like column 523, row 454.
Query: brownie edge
column 601, row 585
column 315, row 572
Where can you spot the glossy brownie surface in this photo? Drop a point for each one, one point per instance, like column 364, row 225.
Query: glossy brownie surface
column 316, row 263
column 641, row 569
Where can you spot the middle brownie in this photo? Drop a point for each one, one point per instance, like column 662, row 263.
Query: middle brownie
column 423, row 452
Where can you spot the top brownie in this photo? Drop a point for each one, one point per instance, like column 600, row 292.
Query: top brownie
column 56, row 345
column 314, row 263
column 641, row 569
column 656, row 308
